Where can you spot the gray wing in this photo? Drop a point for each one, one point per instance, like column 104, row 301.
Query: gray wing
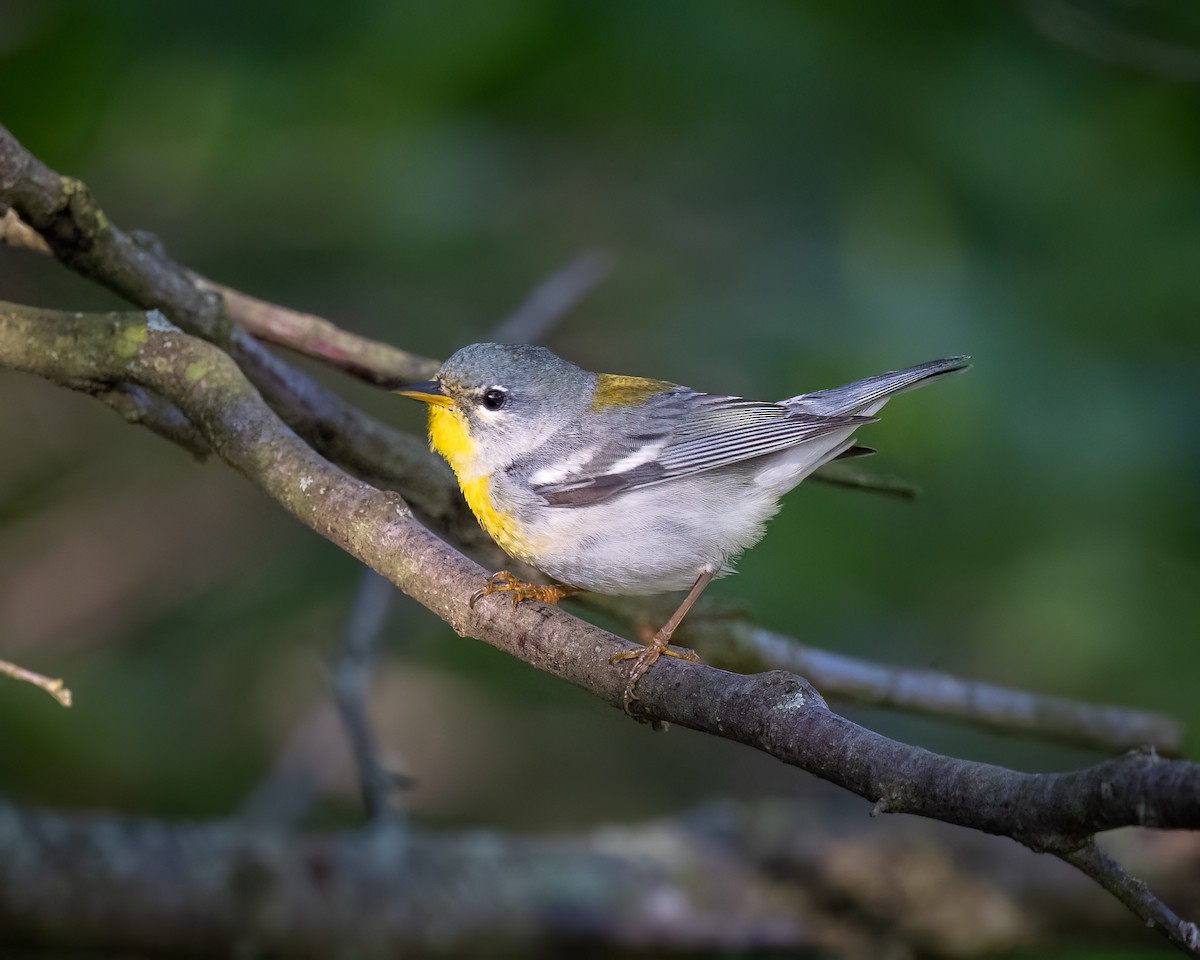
column 680, row 433
column 864, row 396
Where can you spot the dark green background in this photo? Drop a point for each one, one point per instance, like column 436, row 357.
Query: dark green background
column 794, row 195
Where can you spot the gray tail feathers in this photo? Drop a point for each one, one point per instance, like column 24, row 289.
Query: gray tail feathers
column 867, row 396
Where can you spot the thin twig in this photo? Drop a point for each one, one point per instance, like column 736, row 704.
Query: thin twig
column 850, row 475
column 300, row 774
column 53, row 686
column 351, row 683
column 737, row 644
column 370, row 360
column 1135, row 895
column 552, row 299
column 385, row 365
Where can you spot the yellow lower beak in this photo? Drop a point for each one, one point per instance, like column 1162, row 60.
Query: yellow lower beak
column 428, row 391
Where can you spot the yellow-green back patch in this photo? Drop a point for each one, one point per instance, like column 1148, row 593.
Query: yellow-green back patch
column 614, row 390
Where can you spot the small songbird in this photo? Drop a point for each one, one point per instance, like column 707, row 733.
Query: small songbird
column 623, row 485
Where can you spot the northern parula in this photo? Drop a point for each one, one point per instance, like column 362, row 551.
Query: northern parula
column 624, row 485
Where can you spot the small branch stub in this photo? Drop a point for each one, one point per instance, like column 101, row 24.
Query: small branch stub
column 52, row 685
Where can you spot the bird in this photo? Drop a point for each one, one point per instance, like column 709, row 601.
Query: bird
column 626, row 485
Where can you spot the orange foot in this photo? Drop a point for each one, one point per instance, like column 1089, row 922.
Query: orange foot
column 505, row 582
column 644, row 659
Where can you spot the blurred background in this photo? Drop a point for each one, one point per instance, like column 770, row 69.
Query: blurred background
column 793, row 195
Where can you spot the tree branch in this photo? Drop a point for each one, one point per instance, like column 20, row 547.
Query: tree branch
column 1135, row 895
column 350, row 684
column 371, row 360
column 776, row 712
column 725, row 876
column 285, row 796
column 727, row 639
column 734, row 643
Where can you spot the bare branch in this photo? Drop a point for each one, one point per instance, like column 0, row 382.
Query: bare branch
column 725, row 876
column 370, row 360
column 286, row 795
column 554, row 298
column 727, row 639
column 736, row 644
column 842, row 473
column 1135, row 895
column 360, row 443
column 52, row 686
column 350, row 685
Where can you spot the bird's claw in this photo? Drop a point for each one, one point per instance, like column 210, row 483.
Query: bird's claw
column 505, row 582
column 643, row 660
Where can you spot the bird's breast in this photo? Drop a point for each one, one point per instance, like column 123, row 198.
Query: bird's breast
column 499, row 524
column 450, row 436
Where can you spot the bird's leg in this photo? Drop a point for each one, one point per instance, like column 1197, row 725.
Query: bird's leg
column 505, row 582
column 659, row 643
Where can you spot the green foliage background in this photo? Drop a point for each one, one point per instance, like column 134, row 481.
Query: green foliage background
column 795, row 194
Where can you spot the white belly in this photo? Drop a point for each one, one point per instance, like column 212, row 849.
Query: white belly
column 654, row 539
column 661, row 537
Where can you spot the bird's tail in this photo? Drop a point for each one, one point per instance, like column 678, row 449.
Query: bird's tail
column 865, row 397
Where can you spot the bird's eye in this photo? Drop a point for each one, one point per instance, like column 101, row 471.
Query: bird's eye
column 494, row 398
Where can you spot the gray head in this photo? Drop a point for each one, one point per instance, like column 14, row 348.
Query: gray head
column 512, row 397
column 527, row 376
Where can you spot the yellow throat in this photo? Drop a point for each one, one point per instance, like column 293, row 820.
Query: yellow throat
column 450, row 436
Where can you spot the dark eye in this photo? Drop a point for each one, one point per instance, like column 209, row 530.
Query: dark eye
column 494, row 398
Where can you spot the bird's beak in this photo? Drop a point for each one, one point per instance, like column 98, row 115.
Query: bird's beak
column 427, row 391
